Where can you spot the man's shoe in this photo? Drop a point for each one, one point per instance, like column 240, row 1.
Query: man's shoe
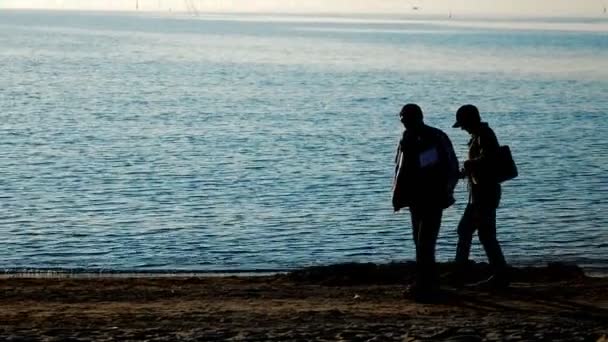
column 455, row 279
column 424, row 295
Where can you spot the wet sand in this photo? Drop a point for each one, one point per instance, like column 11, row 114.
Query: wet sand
column 335, row 303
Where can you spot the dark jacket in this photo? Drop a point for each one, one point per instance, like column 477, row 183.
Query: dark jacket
column 426, row 170
column 483, row 148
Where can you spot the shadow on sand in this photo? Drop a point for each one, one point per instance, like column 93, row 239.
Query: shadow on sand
column 556, row 287
column 404, row 273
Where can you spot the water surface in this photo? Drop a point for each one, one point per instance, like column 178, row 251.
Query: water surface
column 168, row 142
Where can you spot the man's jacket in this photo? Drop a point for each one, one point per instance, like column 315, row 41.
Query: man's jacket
column 483, row 148
column 426, row 169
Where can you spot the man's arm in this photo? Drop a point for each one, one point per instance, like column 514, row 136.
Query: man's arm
column 488, row 147
column 488, row 144
column 397, row 159
column 453, row 172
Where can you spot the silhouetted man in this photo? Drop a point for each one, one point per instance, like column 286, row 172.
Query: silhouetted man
column 484, row 197
column 425, row 176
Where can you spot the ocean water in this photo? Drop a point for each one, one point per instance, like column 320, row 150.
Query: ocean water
column 170, row 142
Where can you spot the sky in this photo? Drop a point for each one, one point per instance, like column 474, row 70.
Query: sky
column 513, row 8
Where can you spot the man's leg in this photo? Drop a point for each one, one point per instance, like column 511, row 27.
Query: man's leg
column 487, row 237
column 416, row 216
column 425, row 248
column 466, row 228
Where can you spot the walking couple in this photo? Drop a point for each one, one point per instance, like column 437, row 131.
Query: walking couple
column 426, row 174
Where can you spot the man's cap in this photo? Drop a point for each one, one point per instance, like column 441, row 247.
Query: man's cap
column 467, row 114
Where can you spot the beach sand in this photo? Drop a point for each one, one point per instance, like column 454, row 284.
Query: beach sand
column 357, row 302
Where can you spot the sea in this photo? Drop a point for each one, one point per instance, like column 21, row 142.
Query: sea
column 192, row 142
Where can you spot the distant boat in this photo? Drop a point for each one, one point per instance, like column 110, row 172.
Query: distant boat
column 415, row 5
column 137, row 5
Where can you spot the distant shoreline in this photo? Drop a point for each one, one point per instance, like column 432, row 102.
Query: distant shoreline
column 600, row 18
column 591, row 24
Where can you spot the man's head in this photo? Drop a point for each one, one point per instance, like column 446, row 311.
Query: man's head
column 411, row 116
column 467, row 118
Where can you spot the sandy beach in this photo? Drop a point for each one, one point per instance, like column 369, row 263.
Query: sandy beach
column 336, row 303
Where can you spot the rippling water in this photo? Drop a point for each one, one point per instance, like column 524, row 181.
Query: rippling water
column 149, row 142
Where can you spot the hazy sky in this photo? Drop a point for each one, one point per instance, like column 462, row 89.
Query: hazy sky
column 574, row 8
